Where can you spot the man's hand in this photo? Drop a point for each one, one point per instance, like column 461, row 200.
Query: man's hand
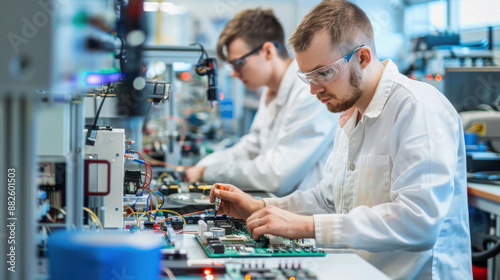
column 195, row 173
column 234, row 202
column 276, row 221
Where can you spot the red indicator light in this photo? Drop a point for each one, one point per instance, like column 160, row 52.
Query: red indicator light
column 185, row 76
column 429, row 77
column 438, row 78
column 207, row 271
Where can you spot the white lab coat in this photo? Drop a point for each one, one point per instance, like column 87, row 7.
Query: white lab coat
column 397, row 181
column 287, row 147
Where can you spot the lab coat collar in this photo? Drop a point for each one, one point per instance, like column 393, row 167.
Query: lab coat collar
column 288, row 81
column 379, row 98
column 383, row 89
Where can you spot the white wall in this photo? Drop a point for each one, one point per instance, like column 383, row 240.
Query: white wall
column 206, row 18
column 206, row 12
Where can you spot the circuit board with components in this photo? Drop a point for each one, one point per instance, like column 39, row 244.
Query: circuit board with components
column 231, row 238
column 271, row 274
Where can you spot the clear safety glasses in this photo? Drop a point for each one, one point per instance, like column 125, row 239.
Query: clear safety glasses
column 240, row 62
column 326, row 74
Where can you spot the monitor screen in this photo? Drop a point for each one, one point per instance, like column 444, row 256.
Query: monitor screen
column 469, row 87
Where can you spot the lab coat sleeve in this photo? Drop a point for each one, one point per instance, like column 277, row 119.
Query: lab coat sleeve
column 246, row 149
column 312, row 201
column 307, row 131
column 424, row 148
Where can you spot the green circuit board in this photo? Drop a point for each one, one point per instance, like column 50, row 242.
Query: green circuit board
column 241, row 244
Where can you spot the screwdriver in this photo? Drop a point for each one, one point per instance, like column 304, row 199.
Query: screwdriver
column 217, row 200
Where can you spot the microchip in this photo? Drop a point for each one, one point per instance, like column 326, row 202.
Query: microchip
column 227, row 228
column 217, row 248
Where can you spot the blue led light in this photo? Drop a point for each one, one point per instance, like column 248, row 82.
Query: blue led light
column 97, row 79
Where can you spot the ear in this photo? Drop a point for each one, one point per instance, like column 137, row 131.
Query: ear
column 269, row 50
column 364, row 56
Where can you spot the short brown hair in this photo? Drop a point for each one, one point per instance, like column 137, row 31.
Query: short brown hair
column 346, row 23
column 255, row 27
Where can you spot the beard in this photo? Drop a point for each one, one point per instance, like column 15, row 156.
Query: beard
column 353, row 95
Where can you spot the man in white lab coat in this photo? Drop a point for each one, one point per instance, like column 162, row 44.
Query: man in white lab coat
column 395, row 188
column 291, row 135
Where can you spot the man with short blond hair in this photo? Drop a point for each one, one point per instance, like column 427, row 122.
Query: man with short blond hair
column 291, row 135
column 395, row 187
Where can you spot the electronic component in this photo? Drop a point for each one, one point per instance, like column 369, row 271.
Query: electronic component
column 177, row 223
column 285, row 271
column 275, row 241
column 202, row 227
column 168, row 189
column 228, row 229
column 200, row 188
column 218, row 232
column 234, row 238
column 207, row 235
column 171, row 235
column 149, row 225
column 216, row 248
column 131, row 181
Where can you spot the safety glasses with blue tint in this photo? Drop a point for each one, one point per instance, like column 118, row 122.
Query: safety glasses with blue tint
column 326, row 74
column 240, row 62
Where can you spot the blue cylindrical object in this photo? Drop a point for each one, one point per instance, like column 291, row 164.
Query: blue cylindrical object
column 470, row 138
column 85, row 255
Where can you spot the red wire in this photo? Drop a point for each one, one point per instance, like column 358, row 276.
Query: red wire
column 151, row 169
column 199, row 212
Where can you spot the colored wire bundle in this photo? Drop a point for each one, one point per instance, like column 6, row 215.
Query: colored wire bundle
column 93, row 216
column 146, row 166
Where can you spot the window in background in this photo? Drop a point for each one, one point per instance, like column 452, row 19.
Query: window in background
column 479, row 13
column 425, row 18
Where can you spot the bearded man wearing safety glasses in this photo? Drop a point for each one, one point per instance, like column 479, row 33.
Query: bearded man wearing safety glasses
column 291, row 134
column 395, row 183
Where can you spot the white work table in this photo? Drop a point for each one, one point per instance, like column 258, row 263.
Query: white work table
column 484, row 197
column 487, row 198
column 339, row 264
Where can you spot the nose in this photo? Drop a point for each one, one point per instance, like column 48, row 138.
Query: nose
column 316, row 88
column 235, row 73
